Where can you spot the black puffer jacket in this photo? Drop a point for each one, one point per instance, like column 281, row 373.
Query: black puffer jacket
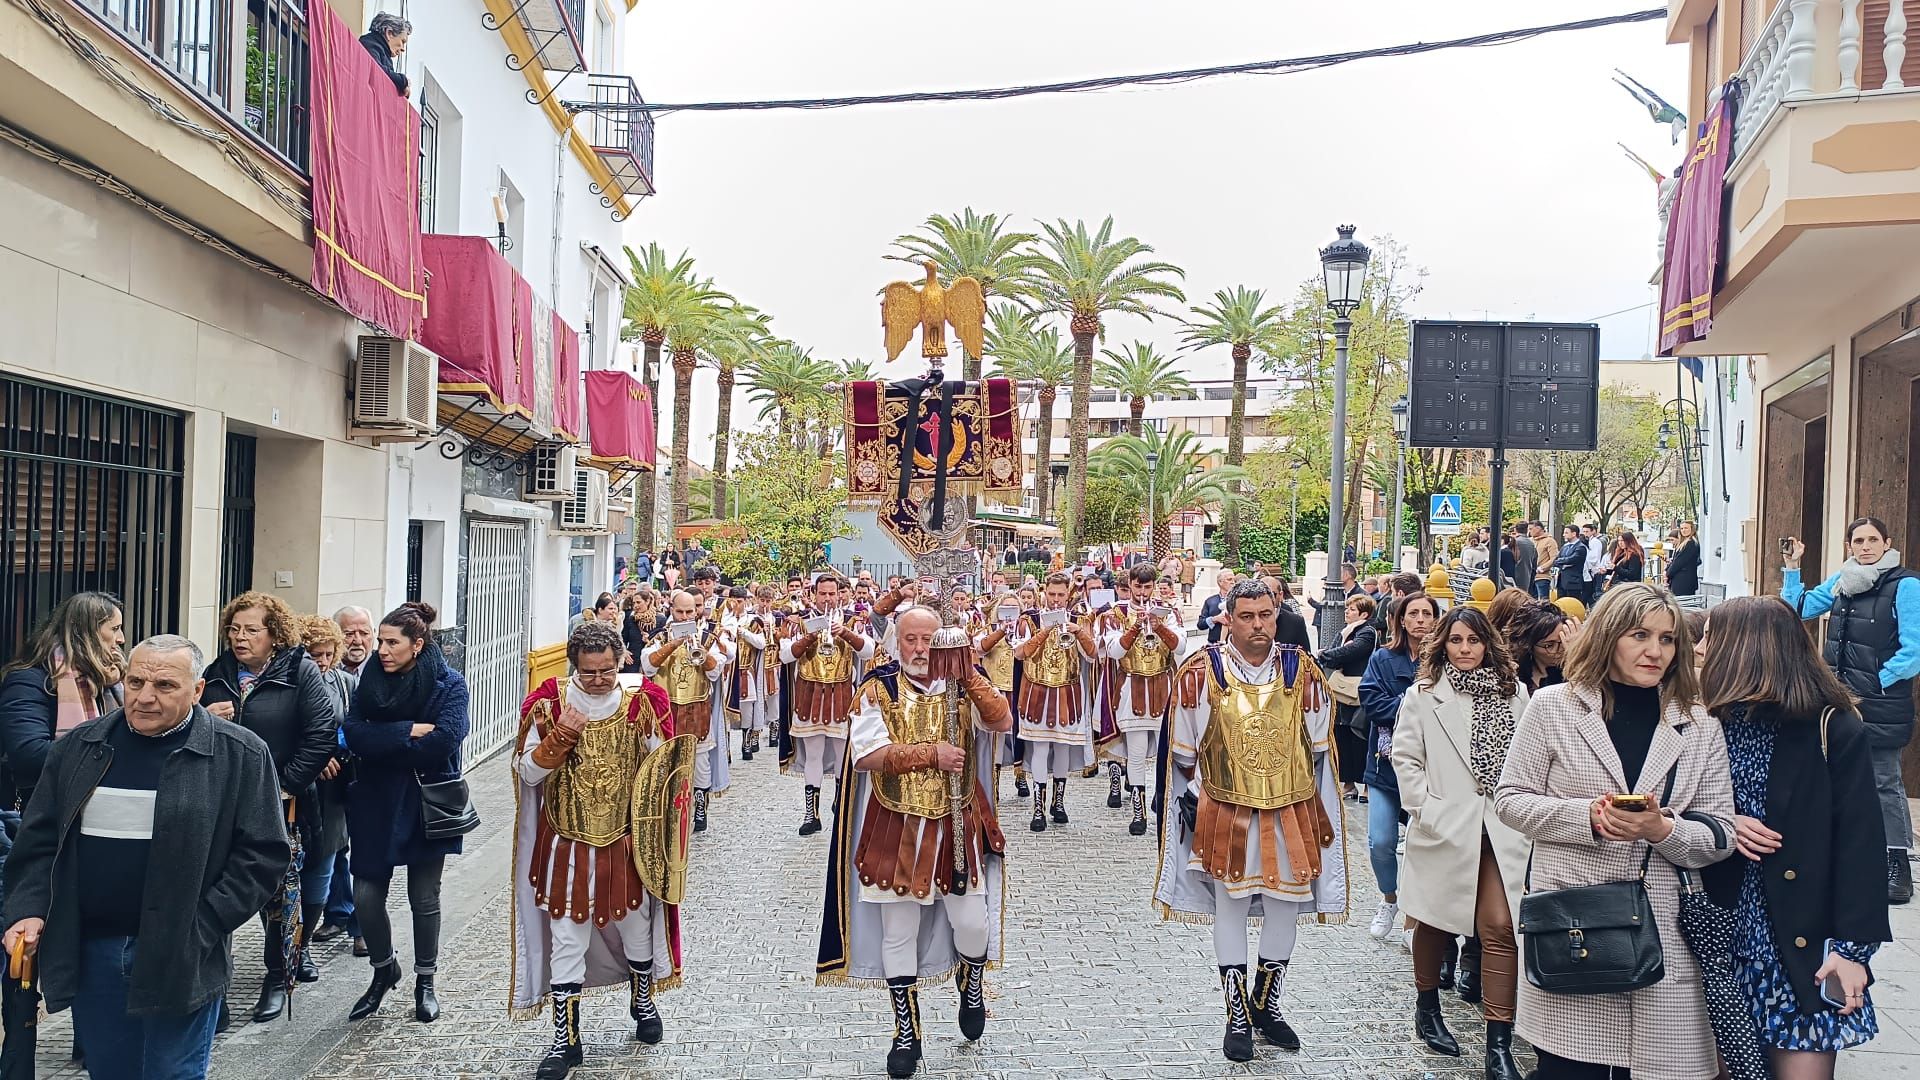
column 289, row 708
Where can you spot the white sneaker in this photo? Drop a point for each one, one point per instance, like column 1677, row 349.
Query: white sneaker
column 1384, row 920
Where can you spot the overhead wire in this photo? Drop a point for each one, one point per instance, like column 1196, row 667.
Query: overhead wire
column 1160, row 78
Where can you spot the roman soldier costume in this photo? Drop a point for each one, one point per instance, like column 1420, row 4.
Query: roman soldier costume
column 1144, row 645
column 813, row 738
column 1002, row 669
column 1253, row 828
column 693, row 671
column 583, row 918
column 1053, row 723
column 754, row 690
column 906, row 906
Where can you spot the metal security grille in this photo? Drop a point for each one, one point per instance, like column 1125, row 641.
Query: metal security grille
column 90, row 490
column 236, row 517
column 416, row 557
column 496, row 634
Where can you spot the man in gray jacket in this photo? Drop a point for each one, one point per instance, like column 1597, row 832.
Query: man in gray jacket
column 155, row 832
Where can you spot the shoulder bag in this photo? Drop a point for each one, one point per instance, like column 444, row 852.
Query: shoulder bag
column 1593, row 939
column 1344, row 688
column 446, row 808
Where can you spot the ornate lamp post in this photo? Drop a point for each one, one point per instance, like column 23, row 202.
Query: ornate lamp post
column 1153, row 508
column 1400, row 408
column 1343, row 264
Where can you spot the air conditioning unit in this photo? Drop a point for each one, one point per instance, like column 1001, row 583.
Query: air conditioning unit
column 550, row 477
column 395, row 385
column 584, row 513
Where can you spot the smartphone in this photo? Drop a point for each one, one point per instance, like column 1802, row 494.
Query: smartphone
column 1786, row 546
column 1831, row 991
column 1631, row 803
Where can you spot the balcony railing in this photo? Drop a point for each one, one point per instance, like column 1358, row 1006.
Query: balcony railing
column 622, row 136
column 1816, row 48
column 188, row 37
column 277, row 59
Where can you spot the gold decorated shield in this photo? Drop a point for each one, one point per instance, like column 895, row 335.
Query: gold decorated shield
column 662, row 817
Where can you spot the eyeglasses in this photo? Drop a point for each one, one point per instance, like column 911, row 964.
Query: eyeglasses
column 609, row 673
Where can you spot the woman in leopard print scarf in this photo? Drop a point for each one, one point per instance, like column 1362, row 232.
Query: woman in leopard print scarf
column 1463, row 866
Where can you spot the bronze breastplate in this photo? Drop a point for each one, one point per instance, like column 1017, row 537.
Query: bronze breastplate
column 1054, row 665
column 914, row 717
column 1254, row 752
column 587, row 795
column 682, row 677
column 999, row 665
column 1149, row 655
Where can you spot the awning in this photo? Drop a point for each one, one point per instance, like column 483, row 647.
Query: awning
column 499, row 343
column 619, row 423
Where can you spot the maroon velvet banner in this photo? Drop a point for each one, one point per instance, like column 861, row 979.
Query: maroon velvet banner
column 496, row 338
column 619, row 424
column 363, row 158
column 887, row 424
column 1694, row 232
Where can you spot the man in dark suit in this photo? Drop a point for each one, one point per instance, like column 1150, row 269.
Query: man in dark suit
column 1290, row 627
column 1213, row 611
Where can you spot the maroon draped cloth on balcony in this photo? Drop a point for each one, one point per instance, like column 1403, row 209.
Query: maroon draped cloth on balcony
column 619, row 424
column 495, row 337
column 365, row 153
column 1695, row 228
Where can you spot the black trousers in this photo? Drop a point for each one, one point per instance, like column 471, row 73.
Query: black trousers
column 1555, row 1067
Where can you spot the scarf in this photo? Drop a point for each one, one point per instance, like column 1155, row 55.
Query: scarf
column 1856, row 579
column 1492, row 723
column 75, row 699
column 400, row 697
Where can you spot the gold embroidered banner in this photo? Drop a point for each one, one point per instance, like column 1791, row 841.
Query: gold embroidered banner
column 899, row 435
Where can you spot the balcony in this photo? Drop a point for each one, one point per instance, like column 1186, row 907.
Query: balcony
column 1823, row 186
column 555, row 32
column 621, row 136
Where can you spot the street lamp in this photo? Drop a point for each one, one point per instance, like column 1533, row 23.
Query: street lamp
column 1153, row 508
column 1400, row 408
column 1343, row 265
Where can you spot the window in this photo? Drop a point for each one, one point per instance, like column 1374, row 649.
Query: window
column 602, row 41
column 429, row 163
column 236, row 517
column 416, row 558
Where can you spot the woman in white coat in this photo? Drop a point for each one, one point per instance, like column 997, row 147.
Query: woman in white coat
column 1464, row 867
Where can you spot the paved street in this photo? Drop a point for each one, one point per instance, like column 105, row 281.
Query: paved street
column 1093, row 985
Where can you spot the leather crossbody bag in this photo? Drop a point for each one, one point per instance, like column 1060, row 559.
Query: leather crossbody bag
column 1593, row 939
column 446, row 808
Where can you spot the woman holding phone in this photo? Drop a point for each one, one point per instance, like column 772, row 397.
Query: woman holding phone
column 1806, row 894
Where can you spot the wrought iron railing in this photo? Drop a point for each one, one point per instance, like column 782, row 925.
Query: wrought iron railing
column 276, row 107
column 189, row 37
column 623, row 129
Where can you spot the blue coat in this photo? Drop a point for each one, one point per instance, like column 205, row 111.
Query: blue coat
column 383, row 803
column 1389, row 673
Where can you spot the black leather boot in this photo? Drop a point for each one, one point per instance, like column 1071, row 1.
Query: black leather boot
column 1020, row 783
column 1899, row 876
column 973, row 997
column 647, row 1027
column 749, row 742
column 1466, row 980
column 1446, row 965
column 1238, row 1044
column 385, row 978
column 1113, row 785
column 903, row 1057
column 273, row 997
column 1500, row 1063
column 1039, row 823
column 1432, row 1030
column 305, row 970
column 700, row 810
column 1138, row 826
column 1268, row 980
column 426, row 1003
column 565, row 1054
column 1059, row 811
column 810, row 823
column 312, row 919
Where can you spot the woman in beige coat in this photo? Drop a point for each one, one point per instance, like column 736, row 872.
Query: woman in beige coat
column 1463, row 866
column 1628, row 715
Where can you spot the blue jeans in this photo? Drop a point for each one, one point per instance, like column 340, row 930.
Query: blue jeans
column 122, row 1047
column 1383, row 837
column 340, row 897
column 1541, row 587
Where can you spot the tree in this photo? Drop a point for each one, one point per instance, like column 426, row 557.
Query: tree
column 741, row 337
column 664, row 296
column 1111, row 515
column 789, row 516
column 1086, row 277
column 1027, row 355
column 696, row 337
column 976, row 246
column 1139, row 373
column 1178, row 480
column 784, row 378
column 1240, row 320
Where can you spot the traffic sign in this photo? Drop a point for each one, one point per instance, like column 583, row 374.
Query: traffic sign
column 1443, row 514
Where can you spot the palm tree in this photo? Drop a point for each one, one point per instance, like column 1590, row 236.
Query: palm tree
column 742, row 335
column 687, row 342
column 1139, row 373
column 784, row 380
column 1178, row 479
column 1236, row 319
column 1087, row 277
column 1027, row 355
column 974, row 245
column 664, row 295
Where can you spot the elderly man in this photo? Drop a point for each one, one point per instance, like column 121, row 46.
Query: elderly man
column 155, row 832
column 356, row 625
column 1213, row 610
column 902, row 910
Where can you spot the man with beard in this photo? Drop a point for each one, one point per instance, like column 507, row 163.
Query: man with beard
column 689, row 662
column 825, row 662
column 583, row 920
column 1144, row 639
column 1053, row 723
column 356, row 625
column 898, row 909
column 1254, row 810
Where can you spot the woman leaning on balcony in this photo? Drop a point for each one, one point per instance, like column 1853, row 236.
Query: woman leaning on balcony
column 386, row 39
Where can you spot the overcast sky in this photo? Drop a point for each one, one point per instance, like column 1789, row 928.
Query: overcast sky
column 1496, row 167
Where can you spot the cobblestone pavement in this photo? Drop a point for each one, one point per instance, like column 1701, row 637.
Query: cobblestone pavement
column 1093, row 984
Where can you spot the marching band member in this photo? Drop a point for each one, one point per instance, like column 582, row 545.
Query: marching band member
column 756, row 682
column 993, row 643
column 814, row 736
column 689, row 661
column 1144, row 639
column 1053, row 724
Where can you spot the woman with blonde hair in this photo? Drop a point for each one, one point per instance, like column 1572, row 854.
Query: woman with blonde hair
column 1628, row 719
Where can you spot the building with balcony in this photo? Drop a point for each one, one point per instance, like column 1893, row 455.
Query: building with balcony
column 1816, row 300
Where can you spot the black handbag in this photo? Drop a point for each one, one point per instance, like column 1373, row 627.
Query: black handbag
column 1593, row 939
column 446, row 808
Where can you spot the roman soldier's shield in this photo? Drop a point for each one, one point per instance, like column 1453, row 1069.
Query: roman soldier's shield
column 662, row 817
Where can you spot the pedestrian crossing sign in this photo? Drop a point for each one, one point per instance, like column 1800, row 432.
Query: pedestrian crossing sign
column 1443, row 514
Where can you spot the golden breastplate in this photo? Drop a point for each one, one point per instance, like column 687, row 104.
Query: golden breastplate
column 1054, row 665
column 1149, row 655
column 914, row 717
column 683, row 678
column 825, row 667
column 1254, row 752
column 999, row 665
column 587, row 795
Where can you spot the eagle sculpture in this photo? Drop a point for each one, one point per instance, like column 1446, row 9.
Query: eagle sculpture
column 932, row 308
